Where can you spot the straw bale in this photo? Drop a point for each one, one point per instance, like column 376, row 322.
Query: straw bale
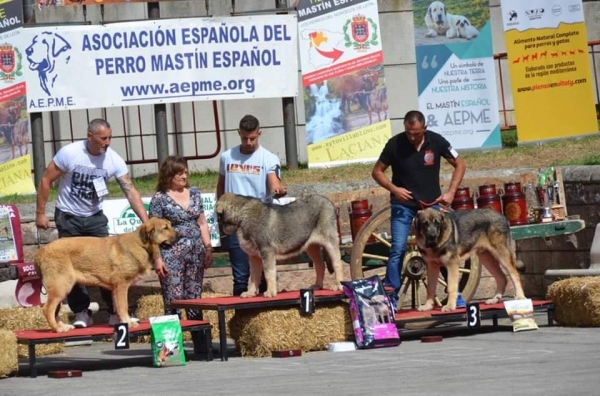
column 153, row 305
column 32, row 318
column 260, row 332
column 576, row 301
column 9, row 361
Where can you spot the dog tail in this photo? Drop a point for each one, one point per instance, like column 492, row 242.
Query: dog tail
column 520, row 266
column 328, row 262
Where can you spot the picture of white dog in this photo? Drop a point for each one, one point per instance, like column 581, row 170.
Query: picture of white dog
column 439, row 22
column 436, row 19
column 461, row 28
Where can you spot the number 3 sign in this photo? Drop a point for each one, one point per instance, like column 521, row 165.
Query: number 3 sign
column 473, row 316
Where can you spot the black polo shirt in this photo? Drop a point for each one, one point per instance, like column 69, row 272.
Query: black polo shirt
column 418, row 172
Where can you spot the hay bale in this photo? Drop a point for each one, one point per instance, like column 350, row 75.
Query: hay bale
column 258, row 332
column 153, row 305
column 576, row 301
column 9, row 361
column 32, row 318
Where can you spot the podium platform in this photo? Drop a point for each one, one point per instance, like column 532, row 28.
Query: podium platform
column 31, row 338
column 493, row 311
column 222, row 304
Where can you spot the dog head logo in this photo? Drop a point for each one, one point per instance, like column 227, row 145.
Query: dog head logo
column 46, row 54
column 512, row 15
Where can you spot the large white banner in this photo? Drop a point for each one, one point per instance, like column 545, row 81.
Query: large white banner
column 162, row 61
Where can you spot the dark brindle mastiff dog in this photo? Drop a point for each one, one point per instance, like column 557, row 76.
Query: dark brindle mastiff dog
column 270, row 232
column 447, row 238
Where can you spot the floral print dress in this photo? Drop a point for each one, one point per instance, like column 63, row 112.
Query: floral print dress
column 185, row 258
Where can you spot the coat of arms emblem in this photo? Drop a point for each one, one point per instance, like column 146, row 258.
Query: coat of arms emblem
column 10, row 62
column 363, row 30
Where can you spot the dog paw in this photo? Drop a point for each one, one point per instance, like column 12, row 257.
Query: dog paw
column 134, row 323
column 316, row 287
column 494, row 300
column 63, row 328
column 449, row 307
column 270, row 293
column 425, row 307
column 336, row 288
column 247, row 294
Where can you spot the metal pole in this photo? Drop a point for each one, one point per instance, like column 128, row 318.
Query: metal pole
column 160, row 110
column 39, row 156
column 289, row 119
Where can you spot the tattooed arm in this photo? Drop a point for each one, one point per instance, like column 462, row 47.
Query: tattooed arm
column 133, row 196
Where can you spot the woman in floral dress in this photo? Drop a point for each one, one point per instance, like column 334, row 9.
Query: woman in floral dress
column 181, row 266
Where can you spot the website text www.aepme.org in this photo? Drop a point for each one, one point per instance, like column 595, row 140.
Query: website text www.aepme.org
column 559, row 84
column 188, row 88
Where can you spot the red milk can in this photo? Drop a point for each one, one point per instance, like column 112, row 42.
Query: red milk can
column 488, row 198
column 359, row 213
column 515, row 204
column 463, row 200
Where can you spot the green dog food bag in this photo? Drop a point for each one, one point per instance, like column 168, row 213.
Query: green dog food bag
column 166, row 340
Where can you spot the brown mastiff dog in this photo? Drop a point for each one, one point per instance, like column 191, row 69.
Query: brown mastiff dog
column 447, row 238
column 113, row 262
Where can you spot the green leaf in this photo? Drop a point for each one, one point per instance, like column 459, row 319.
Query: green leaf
column 348, row 44
column 373, row 42
column 19, row 73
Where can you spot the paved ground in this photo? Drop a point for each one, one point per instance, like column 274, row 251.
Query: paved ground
column 549, row 361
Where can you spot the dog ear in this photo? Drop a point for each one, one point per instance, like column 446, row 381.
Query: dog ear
column 59, row 45
column 429, row 11
column 146, row 232
column 443, row 225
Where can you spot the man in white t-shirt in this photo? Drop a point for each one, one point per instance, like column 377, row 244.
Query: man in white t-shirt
column 84, row 168
column 251, row 170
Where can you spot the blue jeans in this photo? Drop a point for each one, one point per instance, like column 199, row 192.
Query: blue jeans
column 400, row 221
column 240, row 268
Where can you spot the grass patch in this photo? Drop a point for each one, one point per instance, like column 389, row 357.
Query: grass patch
column 575, row 151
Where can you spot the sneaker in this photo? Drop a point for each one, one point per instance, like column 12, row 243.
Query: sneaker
column 114, row 319
column 460, row 303
column 83, row 319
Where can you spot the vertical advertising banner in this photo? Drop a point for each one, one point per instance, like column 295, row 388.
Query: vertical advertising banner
column 15, row 136
column 456, row 75
column 345, row 96
column 549, row 68
column 87, row 2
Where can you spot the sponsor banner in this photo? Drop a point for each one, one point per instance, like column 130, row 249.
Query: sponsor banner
column 549, row 66
column 15, row 177
column 456, row 75
column 161, row 61
column 15, row 134
column 88, row 2
column 122, row 218
column 11, row 15
column 345, row 96
column 8, row 246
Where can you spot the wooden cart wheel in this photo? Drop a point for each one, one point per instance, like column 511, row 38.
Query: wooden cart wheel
column 367, row 255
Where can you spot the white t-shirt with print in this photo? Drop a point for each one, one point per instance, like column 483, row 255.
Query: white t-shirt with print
column 246, row 174
column 76, row 192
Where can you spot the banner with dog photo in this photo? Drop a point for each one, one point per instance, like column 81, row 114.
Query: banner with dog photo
column 88, row 2
column 456, row 74
column 345, row 96
column 549, row 66
column 15, row 135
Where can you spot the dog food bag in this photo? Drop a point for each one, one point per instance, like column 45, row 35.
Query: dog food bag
column 520, row 313
column 166, row 340
column 371, row 313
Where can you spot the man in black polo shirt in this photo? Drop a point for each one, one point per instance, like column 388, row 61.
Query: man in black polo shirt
column 415, row 157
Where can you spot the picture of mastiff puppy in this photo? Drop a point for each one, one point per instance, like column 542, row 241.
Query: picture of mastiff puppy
column 447, row 238
column 271, row 232
column 114, row 262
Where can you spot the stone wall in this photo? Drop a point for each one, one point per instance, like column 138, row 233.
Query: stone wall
column 582, row 189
